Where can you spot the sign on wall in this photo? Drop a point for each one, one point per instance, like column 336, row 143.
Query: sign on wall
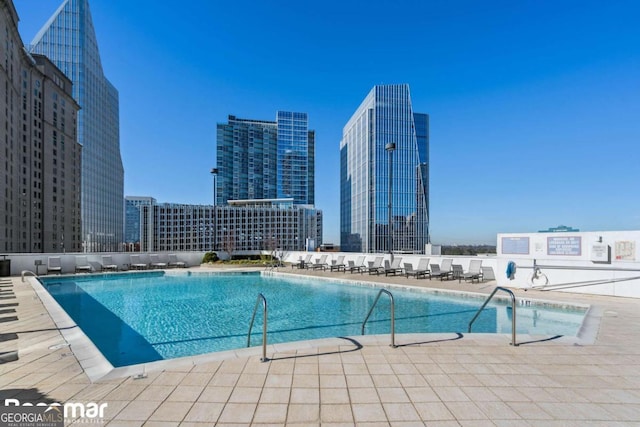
column 568, row 245
column 515, row 245
column 626, row 251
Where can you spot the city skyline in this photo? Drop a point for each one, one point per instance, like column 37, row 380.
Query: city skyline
column 533, row 105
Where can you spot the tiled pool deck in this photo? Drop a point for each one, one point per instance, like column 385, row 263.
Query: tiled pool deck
column 430, row 379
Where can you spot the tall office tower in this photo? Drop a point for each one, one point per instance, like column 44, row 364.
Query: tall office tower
column 385, row 116
column 40, row 172
column 260, row 159
column 68, row 40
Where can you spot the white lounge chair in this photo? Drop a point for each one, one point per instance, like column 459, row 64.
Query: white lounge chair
column 394, row 268
column 54, row 265
column 474, row 272
column 137, row 264
column 82, row 265
column 107, row 263
column 376, row 266
column 436, row 272
column 487, row 274
column 320, row 263
column 421, row 271
column 173, row 261
column 338, row 264
column 154, row 262
column 358, row 265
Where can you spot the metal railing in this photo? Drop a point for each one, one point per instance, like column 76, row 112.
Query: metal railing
column 513, row 312
column 538, row 275
column 260, row 299
column 393, row 315
column 25, row 272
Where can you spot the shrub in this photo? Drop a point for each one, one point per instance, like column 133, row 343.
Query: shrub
column 209, row 257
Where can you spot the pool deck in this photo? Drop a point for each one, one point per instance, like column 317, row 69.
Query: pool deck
column 429, row 379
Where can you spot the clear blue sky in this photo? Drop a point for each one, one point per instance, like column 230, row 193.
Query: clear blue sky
column 534, row 105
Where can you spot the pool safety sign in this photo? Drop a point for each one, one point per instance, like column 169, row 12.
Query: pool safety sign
column 14, row 413
column 569, row 245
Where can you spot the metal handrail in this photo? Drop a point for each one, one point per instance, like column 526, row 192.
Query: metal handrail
column 569, row 267
column 24, row 272
column 513, row 312
column 393, row 315
column 262, row 299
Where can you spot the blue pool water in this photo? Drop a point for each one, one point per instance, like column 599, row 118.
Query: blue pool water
column 136, row 318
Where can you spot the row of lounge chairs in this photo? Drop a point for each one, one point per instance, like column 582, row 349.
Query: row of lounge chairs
column 82, row 265
column 446, row 271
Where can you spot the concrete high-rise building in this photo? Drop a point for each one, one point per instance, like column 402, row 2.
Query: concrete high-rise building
column 68, row 39
column 240, row 226
column 384, row 117
column 260, row 159
column 39, row 152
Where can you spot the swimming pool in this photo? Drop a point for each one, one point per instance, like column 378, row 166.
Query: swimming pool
column 143, row 317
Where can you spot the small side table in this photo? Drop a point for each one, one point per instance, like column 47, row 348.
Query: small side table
column 37, row 263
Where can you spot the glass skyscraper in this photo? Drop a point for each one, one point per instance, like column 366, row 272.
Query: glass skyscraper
column 295, row 158
column 385, row 116
column 260, row 159
column 68, row 39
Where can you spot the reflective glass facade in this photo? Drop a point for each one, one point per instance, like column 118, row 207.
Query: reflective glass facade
column 295, row 158
column 258, row 159
column 68, row 40
column 385, row 116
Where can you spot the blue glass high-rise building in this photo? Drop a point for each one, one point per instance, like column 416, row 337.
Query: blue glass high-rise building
column 295, row 158
column 68, row 39
column 385, row 116
column 259, row 159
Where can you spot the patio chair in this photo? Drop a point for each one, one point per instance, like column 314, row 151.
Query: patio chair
column 320, row 263
column 358, row 265
column 436, row 272
column 338, row 264
column 474, row 272
column 54, row 265
column 487, row 274
column 173, row 261
column 394, row 268
column 82, row 265
column 447, row 266
column 376, row 266
column 302, row 262
column 154, row 262
column 137, row 264
column 421, row 271
column 107, row 263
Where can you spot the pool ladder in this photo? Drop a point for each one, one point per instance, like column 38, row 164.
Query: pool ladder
column 513, row 312
column 263, row 300
column 393, row 315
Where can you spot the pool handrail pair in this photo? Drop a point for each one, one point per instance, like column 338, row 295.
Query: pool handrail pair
column 261, row 299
